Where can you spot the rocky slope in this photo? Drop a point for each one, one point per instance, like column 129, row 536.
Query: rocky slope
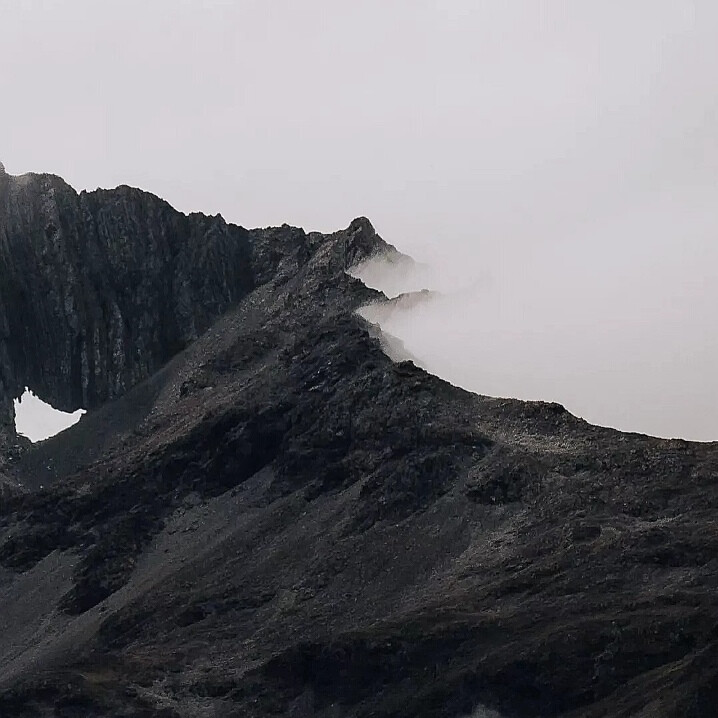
column 262, row 514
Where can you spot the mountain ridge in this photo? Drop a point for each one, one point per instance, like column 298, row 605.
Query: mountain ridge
column 278, row 519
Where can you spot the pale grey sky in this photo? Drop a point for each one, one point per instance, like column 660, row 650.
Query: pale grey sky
column 556, row 163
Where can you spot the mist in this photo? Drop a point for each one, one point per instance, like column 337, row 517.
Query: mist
column 553, row 165
column 623, row 342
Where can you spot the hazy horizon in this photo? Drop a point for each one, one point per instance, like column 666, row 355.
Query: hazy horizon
column 554, row 164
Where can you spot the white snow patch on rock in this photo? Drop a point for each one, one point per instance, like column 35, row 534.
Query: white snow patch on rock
column 37, row 420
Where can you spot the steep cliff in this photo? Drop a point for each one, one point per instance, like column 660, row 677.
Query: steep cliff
column 99, row 289
column 280, row 520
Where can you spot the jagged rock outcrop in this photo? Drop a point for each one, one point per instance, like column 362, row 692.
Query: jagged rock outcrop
column 99, row 289
column 283, row 521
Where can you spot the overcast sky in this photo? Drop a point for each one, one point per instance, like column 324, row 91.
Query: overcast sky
column 555, row 163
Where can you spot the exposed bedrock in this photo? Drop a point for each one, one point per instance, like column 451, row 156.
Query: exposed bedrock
column 99, row 289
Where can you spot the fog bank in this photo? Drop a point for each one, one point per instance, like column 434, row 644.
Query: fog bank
column 632, row 352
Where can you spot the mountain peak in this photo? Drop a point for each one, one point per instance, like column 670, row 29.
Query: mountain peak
column 264, row 514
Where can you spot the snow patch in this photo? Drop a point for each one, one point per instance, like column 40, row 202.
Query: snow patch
column 37, row 420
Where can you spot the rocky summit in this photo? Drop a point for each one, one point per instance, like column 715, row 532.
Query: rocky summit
column 262, row 514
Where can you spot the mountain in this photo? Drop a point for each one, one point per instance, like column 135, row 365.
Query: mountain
column 262, row 514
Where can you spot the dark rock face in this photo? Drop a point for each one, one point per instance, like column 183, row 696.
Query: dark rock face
column 280, row 520
column 98, row 290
